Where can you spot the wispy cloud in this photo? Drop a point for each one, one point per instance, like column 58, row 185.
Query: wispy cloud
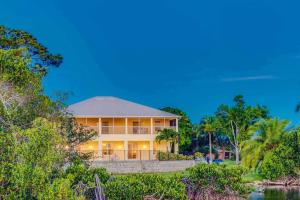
column 248, row 78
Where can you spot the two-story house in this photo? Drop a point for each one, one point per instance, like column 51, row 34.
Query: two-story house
column 126, row 130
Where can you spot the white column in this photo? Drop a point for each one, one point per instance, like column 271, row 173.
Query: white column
column 113, row 128
column 100, row 149
column 176, row 144
column 164, row 123
column 151, row 150
column 176, row 147
column 126, row 125
column 99, row 126
column 139, row 127
column 151, row 125
column 126, row 149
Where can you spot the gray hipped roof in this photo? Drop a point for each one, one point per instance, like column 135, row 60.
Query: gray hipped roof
column 114, row 107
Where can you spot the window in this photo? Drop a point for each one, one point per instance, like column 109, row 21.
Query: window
column 107, row 150
column 136, row 127
column 157, row 125
column 173, row 123
column 105, row 127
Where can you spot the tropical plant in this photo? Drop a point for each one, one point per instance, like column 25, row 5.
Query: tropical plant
column 36, row 163
column 170, row 136
column 172, row 156
column 139, row 186
column 34, row 130
column 210, row 126
column 284, row 160
column 278, row 163
column 185, row 128
column 266, row 135
column 215, row 182
column 236, row 120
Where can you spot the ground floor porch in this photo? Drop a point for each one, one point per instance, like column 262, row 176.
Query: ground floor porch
column 124, row 150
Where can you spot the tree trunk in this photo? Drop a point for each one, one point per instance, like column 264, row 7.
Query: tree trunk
column 237, row 155
column 210, row 153
column 223, row 152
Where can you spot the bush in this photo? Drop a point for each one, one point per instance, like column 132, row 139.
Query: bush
column 204, row 181
column 82, row 173
column 82, row 178
column 172, row 156
column 198, row 155
column 60, row 189
column 278, row 163
column 138, row 186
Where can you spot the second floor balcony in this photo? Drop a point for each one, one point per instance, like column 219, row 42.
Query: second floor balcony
column 129, row 129
column 128, row 126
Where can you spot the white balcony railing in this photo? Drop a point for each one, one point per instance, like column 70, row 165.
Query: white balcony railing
column 139, row 129
column 130, row 129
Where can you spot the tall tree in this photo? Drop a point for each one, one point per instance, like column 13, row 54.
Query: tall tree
column 185, row 127
column 266, row 135
column 210, row 126
column 235, row 121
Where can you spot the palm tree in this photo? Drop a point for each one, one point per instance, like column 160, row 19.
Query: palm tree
column 265, row 137
column 209, row 126
column 170, row 136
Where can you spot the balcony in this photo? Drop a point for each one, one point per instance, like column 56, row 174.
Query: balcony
column 130, row 129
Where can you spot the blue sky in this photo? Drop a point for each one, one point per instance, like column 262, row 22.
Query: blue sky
column 193, row 54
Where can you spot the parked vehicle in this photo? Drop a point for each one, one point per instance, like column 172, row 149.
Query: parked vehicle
column 218, row 161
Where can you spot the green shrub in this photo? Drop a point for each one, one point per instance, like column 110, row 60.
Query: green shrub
column 60, row 189
column 278, row 163
column 138, row 186
column 172, row 156
column 198, row 155
column 82, row 178
column 80, row 172
column 215, row 179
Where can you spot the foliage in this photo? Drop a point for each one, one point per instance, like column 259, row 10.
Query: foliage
column 278, row 163
column 206, row 181
column 273, row 150
column 205, row 150
column 198, row 155
column 42, row 59
column 82, row 177
column 60, row 189
column 37, row 162
column 172, row 156
column 265, row 135
column 34, row 130
column 7, row 160
column 75, row 135
column 210, row 126
column 170, row 136
column 140, row 185
column 285, row 159
column 81, row 172
column 184, row 127
column 235, row 121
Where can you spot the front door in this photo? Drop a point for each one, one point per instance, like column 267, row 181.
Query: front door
column 132, row 150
